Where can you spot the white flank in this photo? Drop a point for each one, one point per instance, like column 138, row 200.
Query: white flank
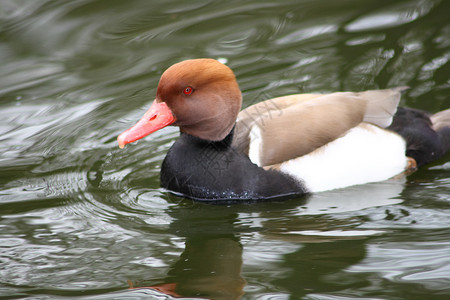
column 254, row 150
column 365, row 154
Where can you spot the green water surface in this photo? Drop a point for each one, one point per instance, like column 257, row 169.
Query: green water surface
column 80, row 218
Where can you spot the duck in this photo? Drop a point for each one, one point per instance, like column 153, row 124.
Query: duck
column 285, row 147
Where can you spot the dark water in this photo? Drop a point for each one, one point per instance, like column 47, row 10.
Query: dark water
column 81, row 218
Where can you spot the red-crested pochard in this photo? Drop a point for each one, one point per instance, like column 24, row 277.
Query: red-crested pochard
column 282, row 147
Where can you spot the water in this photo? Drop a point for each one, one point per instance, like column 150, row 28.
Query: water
column 81, row 218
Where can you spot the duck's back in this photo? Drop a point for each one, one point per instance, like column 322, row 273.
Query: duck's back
column 284, row 128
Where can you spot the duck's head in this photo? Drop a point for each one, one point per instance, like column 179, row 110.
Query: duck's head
column 201, row 96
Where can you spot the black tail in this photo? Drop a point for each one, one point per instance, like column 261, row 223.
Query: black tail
column 427, row 138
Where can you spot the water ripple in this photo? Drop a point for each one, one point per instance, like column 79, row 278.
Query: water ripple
column 424, row 263
column 81, row 218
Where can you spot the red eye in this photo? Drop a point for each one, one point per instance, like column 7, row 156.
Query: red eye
column 188, row 90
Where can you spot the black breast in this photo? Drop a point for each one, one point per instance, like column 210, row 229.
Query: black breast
column 215, row 172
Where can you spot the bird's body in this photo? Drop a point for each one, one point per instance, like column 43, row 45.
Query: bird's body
column 282, row 147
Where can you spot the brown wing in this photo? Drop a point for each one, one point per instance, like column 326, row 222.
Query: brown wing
column 291, row 126
column 257, row 113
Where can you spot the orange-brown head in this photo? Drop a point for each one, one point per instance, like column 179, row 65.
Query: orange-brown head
column 201, row 96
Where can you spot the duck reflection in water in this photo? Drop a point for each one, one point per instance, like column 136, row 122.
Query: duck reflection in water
column 209, row 268
column 211, row 263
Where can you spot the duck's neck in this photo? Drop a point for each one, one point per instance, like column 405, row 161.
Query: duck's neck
column 222, row 144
